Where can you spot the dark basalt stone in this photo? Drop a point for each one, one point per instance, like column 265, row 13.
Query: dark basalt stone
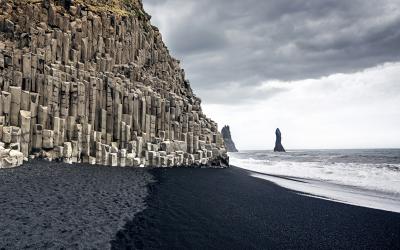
column 278, row 142
column 229, row 144
column 221, row 161
column 67, row 4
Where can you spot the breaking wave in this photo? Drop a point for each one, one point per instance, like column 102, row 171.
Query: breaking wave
column 359, row 177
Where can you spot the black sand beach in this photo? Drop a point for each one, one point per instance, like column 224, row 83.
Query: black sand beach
column 227, row 209
column 58, row 206
column 50, row 205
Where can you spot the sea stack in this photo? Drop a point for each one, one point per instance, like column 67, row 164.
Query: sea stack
column 229, row 144
column 278, row 142
column 93, row 82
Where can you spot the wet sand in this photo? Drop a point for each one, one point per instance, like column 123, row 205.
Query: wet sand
column 58, row 206
column 228, row 209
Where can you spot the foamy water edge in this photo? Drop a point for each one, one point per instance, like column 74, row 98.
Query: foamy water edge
column 362, row 184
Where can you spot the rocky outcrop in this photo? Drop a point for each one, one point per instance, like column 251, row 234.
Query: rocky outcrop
column 92, row 82
column 278, row 141
column 229, row 144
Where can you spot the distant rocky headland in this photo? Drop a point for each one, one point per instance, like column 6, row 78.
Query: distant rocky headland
column 229, row 144
column 92, row 82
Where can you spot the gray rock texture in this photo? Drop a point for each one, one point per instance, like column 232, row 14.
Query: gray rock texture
column 92, row 82
column 229, row 144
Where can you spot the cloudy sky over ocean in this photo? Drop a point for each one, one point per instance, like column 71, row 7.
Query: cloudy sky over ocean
column 326, row 72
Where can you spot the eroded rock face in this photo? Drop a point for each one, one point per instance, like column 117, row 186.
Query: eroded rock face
column 94, row 83
column 278, row 141
column 229, row 144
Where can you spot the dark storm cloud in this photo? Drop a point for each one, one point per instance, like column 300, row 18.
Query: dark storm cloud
column 239, row 44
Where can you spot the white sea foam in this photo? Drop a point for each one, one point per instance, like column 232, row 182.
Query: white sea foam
column 375, row 185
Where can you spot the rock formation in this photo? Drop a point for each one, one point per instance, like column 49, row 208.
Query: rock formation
column 92, row 82
column 229, row 144
column 278, row 141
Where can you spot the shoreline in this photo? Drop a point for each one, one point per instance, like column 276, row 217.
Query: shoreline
column 345, row 194
column 227, row 208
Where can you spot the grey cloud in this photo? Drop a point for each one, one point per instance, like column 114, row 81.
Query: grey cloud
column 233, row 95
column 226, row 43
column 191, row 38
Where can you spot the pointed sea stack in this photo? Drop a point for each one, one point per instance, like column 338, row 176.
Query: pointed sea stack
column 278, row 142
column 229, row 144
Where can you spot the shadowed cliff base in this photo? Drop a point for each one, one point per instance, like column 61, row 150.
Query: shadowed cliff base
column 228, row 209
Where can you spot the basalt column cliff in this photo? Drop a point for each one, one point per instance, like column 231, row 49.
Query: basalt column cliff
column 92, row 82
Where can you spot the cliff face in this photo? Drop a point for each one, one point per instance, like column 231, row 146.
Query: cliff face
column 229, row 144
column 92, row 82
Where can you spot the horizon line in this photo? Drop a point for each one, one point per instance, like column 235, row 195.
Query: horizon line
column 295, row 149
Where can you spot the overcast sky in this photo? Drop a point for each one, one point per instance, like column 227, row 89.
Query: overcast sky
column 327, row 73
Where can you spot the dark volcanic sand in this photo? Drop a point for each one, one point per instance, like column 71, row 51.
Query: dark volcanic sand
column 51, row 205
column 227, row 209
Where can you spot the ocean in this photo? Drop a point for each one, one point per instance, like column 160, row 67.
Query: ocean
column 367, row 177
